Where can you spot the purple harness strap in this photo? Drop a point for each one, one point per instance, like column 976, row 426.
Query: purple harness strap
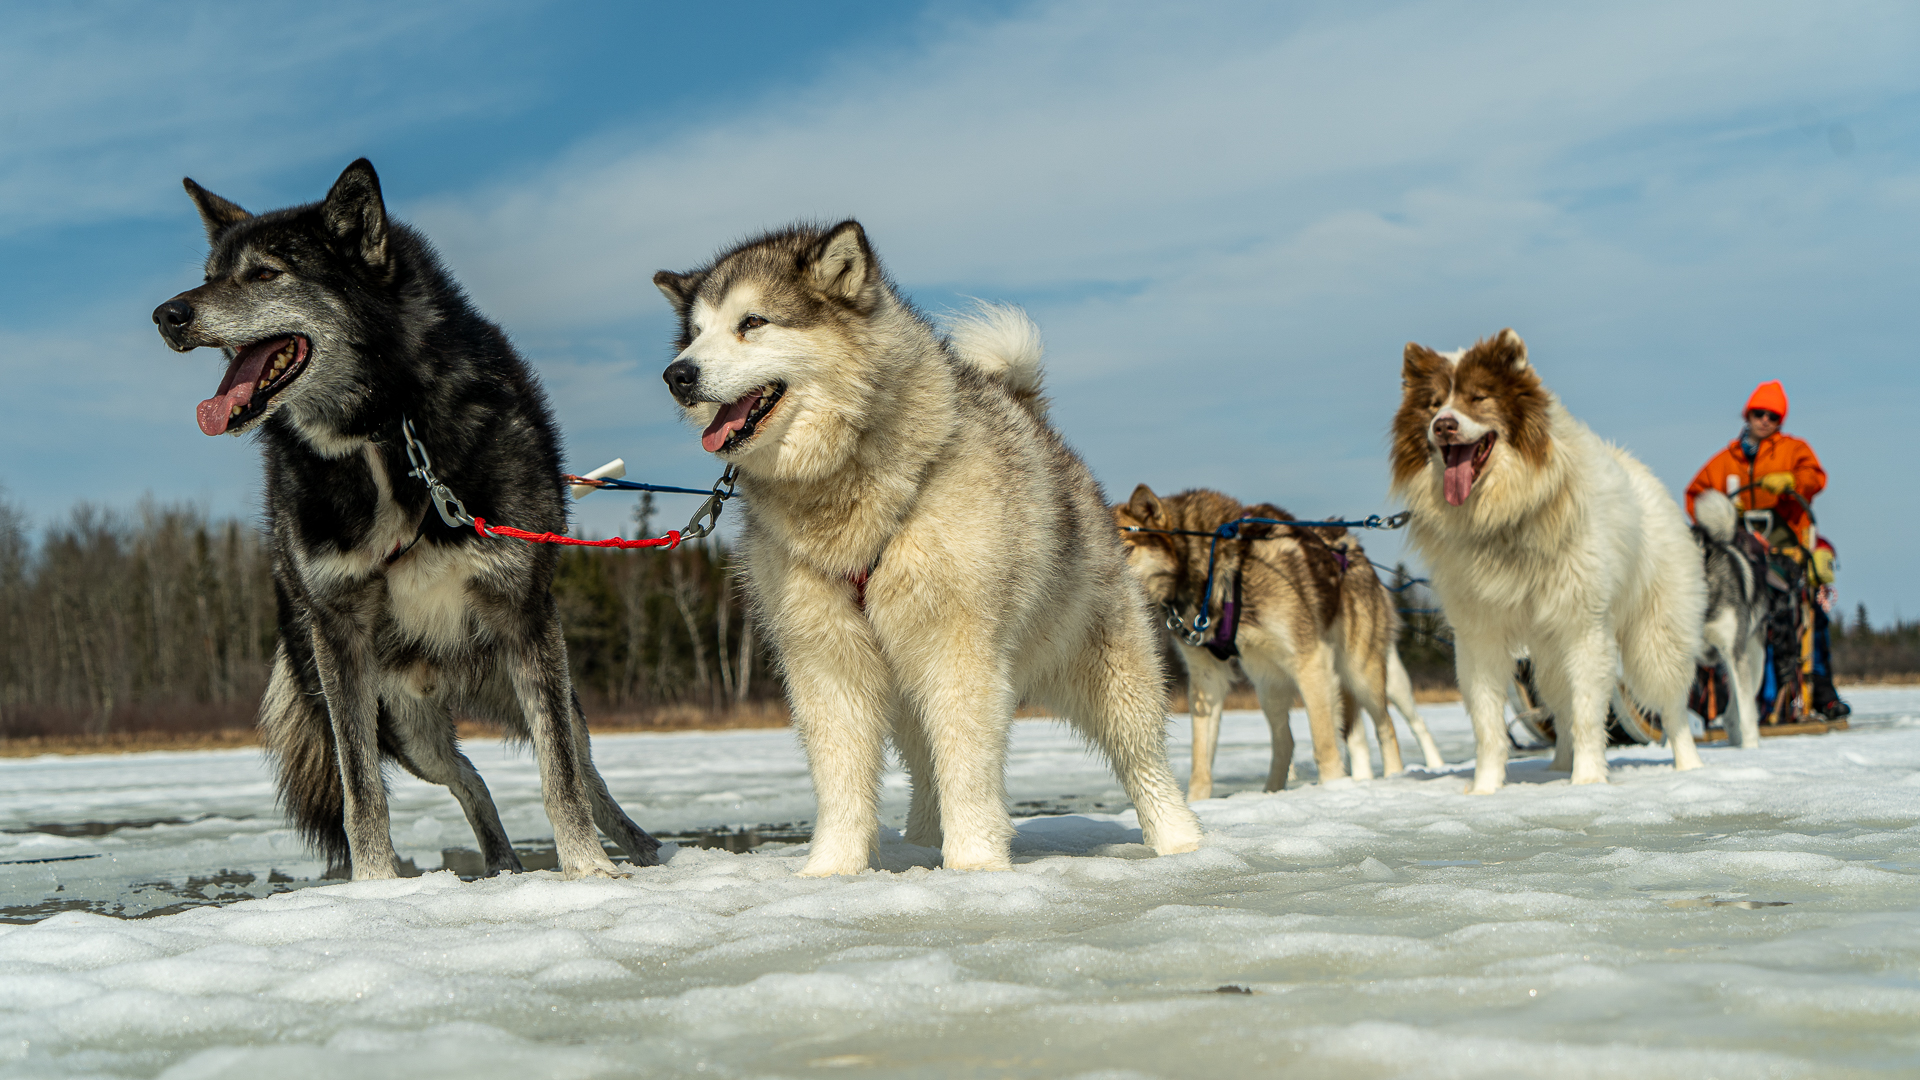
column 1222, row 646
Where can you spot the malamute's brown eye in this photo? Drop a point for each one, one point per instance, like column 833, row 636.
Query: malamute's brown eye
column 752, row 322
column 264, row 273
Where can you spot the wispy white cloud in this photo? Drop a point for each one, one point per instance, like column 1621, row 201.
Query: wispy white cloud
column 106, row 105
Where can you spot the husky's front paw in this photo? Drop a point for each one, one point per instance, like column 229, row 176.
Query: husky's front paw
column 602, row 869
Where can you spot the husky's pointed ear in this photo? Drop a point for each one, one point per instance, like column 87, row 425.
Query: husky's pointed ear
column 1507, row 346
column 840, row 265
column 216, row 213
column 1418, row 362
column 677, row 288
column 357, row 216
column 1144, row 505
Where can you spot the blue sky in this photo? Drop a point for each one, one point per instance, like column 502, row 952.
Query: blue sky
column 1227, row 219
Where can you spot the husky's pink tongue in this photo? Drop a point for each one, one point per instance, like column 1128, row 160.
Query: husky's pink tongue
column 731, row 418
column 1460, row 471
column 237, row 388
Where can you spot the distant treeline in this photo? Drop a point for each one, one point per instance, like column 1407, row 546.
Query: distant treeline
column 163, row 620
column 1862, row 652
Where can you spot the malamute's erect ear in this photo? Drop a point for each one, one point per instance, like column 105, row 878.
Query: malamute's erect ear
column 216, row 213
column 1144, row 505
column 1419, row 362
column 679, row 289
column 840, row 265
column 1507, row 346
column 356, row 214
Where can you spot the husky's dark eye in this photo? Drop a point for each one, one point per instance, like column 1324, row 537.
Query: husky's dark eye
column 752, row 322
column 1478, row 398
column 264, row 273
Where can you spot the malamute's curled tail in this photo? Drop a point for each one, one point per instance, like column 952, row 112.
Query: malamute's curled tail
column 1000, row 340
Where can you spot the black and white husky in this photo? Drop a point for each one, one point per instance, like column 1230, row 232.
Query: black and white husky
column 339, row 326
column 1736, row 608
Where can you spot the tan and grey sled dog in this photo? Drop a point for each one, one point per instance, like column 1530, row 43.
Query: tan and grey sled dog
column 1543, row 540
column 922, row 548
column 1301, row 610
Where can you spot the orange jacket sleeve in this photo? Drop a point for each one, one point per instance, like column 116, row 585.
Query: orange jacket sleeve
column 1809, row 479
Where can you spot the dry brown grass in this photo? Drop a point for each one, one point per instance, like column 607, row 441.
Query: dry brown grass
column 672, row 718
column 127, row 742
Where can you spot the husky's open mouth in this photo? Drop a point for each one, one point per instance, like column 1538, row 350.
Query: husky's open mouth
column 1464, row 462
column 258, row 372
column 738, row 420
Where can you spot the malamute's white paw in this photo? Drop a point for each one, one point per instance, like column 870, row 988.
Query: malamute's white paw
column 1171, row 837
column 1682, row 763
column 977, row 855
column 1589, row 777
column 831, row 859
column 1477, row 788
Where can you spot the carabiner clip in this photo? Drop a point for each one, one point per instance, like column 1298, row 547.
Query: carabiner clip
column 710, row 510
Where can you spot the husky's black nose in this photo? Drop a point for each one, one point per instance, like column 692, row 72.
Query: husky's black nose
column 175, row 313
column 681, row 375
column 1446, row 425
column 173, row 318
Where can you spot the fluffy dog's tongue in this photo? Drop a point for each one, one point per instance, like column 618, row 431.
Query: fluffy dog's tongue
column 1461, row 470
column 237, row 388
column 731, row 418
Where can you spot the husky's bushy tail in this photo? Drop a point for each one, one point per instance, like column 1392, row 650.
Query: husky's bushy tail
column 1716, row 515
column 1003, row 342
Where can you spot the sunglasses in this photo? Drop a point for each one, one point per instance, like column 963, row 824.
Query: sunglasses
column 1764, row 414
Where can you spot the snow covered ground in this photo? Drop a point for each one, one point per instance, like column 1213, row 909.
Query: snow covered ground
column 1760, row 917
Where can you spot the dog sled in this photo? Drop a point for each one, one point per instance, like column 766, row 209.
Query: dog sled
column 1786, row 700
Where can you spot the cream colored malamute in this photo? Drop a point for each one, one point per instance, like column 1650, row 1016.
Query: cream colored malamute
column 921, row 547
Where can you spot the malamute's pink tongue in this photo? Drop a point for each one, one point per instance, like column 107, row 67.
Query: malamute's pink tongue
column 237, row 388
column 731, row 418
column 1460, row 471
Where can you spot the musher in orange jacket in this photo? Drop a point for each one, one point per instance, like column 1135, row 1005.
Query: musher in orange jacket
column 1767, row 460
column 1769, row 463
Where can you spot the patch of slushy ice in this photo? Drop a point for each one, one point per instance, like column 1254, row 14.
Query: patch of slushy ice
column 1758, row 917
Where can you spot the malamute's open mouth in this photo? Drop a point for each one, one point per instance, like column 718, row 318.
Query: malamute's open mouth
column 738, row 420
column 258, row 372
column 1464, row 462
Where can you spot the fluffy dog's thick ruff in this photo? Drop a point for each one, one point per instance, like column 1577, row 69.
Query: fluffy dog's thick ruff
column 921, row 547
column 1543, row 540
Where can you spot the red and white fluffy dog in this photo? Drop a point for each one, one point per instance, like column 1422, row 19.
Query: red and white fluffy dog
column 1543, row 540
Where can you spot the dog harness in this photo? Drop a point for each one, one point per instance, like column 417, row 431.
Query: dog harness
column 1228, row 628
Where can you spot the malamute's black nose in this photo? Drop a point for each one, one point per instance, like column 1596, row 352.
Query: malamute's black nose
column 681, row 375
column 172, row 318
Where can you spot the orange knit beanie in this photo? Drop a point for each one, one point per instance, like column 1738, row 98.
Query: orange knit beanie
column 1770, row 396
